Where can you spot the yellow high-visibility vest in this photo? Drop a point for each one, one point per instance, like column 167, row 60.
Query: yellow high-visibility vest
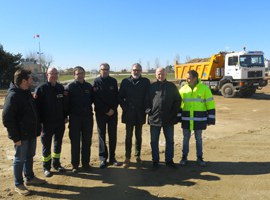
column 198, row 107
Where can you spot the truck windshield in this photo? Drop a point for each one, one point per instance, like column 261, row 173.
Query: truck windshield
column 252, row 61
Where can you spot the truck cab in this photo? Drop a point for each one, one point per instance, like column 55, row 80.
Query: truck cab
column 244, row 72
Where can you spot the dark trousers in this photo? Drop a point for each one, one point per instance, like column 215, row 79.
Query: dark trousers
column 103, row 121
column 138, row 139
column 50, row 131
column 80, row 134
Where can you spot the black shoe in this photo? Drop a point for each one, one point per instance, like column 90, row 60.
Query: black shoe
column 86, row 167
column 200, row 161
column 102, row 164
column 155, row 165
column 171, row 164
column 59, row 168
column 183, row 161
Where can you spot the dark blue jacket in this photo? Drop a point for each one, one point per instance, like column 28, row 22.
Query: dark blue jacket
column 105, row 94
column 51, row 102
column 80, row 98
column 20, row 115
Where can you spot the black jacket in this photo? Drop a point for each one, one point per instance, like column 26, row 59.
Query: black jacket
column 132, row 100
column 80, row 98
column 20, row 115
column 51, row 103
column 105, row 94
column 163, row 103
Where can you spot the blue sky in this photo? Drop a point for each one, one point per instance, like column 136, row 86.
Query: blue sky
column 122, row 32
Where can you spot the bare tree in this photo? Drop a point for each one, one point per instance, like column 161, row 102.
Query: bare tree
column 43, row 59
column 177, row 58
column 188, row 58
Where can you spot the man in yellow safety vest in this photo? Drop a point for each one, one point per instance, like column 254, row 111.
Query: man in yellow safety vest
column 198, row 111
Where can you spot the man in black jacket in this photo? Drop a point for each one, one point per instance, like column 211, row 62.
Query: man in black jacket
column 51, row 105
column 80, row 99
column 106, row 103
column 20, row 117
column 163, row 104
column 132, row 100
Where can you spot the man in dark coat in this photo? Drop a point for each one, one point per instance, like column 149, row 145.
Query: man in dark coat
column 50, row 100
column 106, row 103
column 80, row 99
column 20, row 117
column 163, row 105
column 132, row 100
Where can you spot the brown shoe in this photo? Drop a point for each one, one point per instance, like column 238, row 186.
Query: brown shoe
column 126, row 163
column 22, row 190
column 35, row 181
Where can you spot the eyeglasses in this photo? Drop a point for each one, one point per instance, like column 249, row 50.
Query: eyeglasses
column 104, row 69
column 51, row 73
column 136, row 70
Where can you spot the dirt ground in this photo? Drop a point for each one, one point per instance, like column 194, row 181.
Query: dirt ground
column 236, row 150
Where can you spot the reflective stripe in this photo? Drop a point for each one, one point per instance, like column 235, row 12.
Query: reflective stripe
column 46, row 159
column 209, row 99
column 56, row 155
column 193, row 100
column 212, row 116
column 194, row 118
column 179, row 114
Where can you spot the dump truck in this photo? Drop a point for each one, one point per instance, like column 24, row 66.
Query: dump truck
column 230, row 73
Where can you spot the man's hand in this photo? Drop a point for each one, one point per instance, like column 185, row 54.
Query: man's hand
column 110, row 113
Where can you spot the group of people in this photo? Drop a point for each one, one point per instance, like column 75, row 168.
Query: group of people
column 45, row 112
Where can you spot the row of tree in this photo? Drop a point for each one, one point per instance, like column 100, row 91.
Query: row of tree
column 8, row 65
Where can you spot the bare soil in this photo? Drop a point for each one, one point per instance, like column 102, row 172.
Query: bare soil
column 236, row 150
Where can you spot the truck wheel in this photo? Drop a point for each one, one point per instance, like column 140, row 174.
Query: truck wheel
column 227, row 90
column 248, row 93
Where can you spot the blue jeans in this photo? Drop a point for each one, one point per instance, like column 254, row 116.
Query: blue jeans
column 198, row 137
column 23, row 161
column 169, row 137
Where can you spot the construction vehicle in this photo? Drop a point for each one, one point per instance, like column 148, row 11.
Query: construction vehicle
column 230, row 73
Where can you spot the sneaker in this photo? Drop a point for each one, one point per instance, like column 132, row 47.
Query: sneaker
column 171, row 164
column 35, row 181
column 201, row 162
column 126, row 163
column 102, row 164
column 115, row 163
column 138, row 160
column 74, row 170
column 155, row 165
column 183, row 161
column 22, row 190
column 47, row 173
column 59, row 168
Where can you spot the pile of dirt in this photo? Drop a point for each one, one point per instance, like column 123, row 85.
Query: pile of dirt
column 195, row 60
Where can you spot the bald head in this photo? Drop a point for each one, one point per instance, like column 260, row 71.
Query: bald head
column 161, row 74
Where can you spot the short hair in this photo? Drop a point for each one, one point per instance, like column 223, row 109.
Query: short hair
column 137, row 64
column 20, row 75
column 77, row 68
column 193, row 73
column 105, row 65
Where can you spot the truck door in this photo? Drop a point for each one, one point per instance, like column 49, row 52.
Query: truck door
column 232, row 68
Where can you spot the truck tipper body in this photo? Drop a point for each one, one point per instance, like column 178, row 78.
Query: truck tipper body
column 230, row 73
